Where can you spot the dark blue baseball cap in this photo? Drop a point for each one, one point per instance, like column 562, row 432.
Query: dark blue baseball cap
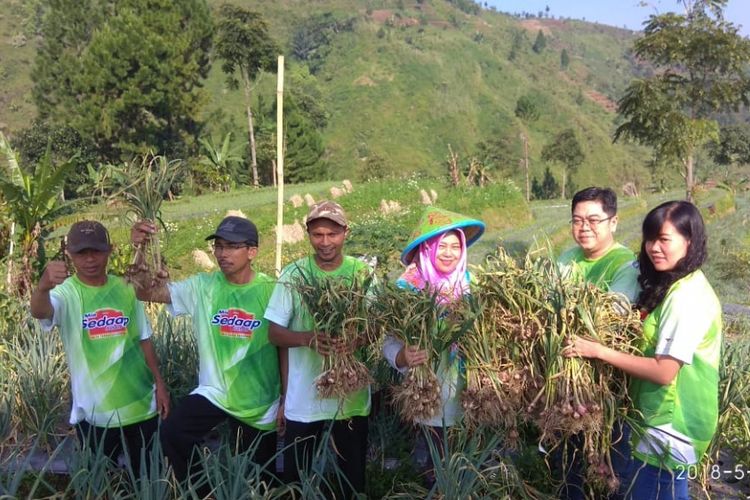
column 237, row 230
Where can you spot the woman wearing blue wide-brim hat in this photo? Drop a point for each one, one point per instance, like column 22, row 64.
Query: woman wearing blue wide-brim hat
column 436, row 262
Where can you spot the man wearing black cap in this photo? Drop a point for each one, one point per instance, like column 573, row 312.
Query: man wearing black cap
column 308, row 417
column 239, row 379
column 114, row 373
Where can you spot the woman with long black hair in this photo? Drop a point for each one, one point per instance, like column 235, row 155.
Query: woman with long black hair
column 675, row 382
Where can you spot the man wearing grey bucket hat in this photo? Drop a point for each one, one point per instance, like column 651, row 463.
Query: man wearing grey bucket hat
column 239, row 379
column 117, row 390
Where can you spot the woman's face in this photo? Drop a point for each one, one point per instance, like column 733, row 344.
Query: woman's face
column 668, row 248
column 448, row 253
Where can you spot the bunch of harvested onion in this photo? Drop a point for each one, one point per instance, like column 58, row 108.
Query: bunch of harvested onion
column 534, row 311
column 339, row 309
column 499, row 382
column 423, row 320
column 147, row 181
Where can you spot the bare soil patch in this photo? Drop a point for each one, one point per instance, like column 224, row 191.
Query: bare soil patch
column 602, row 100
column 545, row 25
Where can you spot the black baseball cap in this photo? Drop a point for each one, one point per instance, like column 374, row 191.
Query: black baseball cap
column 237, row 230
column 88, row 234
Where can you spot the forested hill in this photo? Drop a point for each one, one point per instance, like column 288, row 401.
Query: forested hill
column 389, row 86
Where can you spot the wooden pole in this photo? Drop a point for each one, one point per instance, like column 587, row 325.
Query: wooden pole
column 525, row 162
column 9, row 278
column 279, row 160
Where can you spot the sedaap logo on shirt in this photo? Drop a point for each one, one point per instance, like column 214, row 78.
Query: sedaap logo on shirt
column 235, row 323
column 105, row 323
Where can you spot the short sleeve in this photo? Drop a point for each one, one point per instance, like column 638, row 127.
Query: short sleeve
column 58, row 305
column 182, row 297
column 625, row 281
column 683, row 325
column 391, row 348
column 281, row 305
column 144, row 325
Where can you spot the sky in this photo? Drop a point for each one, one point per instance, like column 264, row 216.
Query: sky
column 628, row 13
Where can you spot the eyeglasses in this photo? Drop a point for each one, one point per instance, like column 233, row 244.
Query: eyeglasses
column 229, row 248
column 591, row 221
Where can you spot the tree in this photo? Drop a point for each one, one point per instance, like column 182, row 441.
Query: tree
column 63, row 142
column 311, row 40
column 733, row 146
column 564, row 149
column 547, row 189
column 527, row 108
column 303, row 148
column 540, row 43
column 307, row 93
column 499, row 154
column 244, row 44
column 701, row 69
column 564, row 59
column 518, row 41
column 126, row 75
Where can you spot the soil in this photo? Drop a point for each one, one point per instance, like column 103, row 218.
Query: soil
column 602, row 100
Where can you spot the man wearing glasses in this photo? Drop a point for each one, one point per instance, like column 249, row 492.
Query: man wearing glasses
column 239, row 377
column 598, row 258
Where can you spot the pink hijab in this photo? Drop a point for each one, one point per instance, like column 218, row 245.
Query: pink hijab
column 423, row 273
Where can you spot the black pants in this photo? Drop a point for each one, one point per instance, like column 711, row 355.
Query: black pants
column 196, row 416
column 349, row 441
column 569, row 463
column 427, row 434
column 111, row 439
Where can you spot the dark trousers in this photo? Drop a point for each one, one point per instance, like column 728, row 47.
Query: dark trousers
column 349, row 442
column 427, row 434
column 196, row 416
column 574, row 474
column 134, row 437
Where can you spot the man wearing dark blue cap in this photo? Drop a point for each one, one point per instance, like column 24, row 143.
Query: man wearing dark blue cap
column 239, row 377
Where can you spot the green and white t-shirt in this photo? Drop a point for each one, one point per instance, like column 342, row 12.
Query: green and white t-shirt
column 286, row 309
column 101, row 329
column 239, row 368
column 615, row 271
column 680, row 418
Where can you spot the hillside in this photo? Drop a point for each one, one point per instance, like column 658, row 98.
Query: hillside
column 403, row 80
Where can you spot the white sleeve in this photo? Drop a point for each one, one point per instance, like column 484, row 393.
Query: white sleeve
column 683, row 325
column 391, row 348
column 180, row 296
column 281, row 305
column 144, row 325
column 57, row 311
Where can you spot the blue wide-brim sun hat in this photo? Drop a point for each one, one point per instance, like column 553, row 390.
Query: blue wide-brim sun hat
column 435, row 221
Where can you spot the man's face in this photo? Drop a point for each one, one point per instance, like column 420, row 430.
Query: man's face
column 592, row 228
column 233, row 258
column 327, row 239
column 91, row 265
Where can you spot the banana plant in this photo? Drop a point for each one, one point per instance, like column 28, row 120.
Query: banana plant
column 217, row 162
column 33, row 200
